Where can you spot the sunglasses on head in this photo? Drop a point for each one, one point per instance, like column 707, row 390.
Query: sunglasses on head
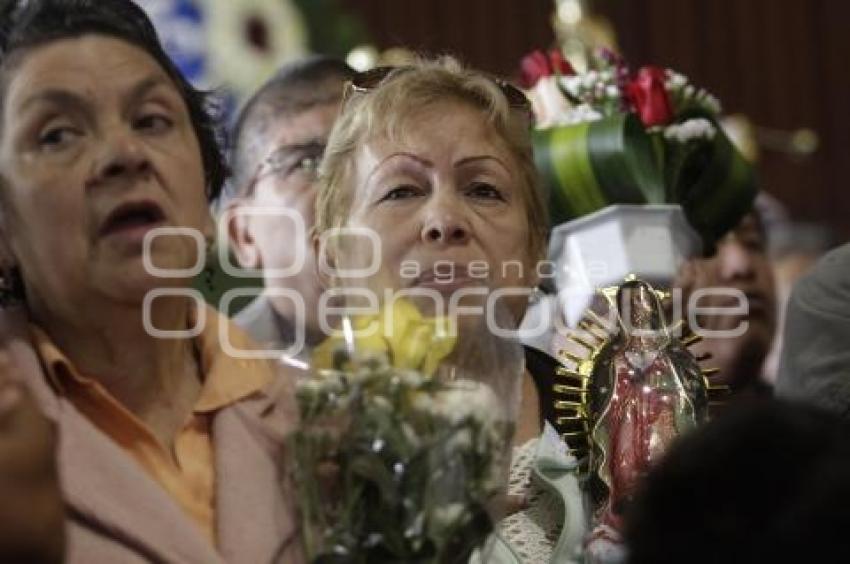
column 365, row 81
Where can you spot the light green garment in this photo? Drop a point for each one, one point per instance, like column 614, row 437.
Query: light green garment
column 555, row 470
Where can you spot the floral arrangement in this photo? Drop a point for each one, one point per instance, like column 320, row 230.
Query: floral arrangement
column 408, row 463
column 248, row 40
column 228, row 45
column 611, row 136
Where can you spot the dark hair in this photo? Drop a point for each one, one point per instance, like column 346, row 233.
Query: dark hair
column 296, row 87
column 25, row 24
column 768, row 482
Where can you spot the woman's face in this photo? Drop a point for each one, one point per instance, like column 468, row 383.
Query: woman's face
column 446, row 202
column 97, row 149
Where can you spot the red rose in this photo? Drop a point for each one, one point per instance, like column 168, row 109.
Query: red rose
column 648, row 96
column 559, row 64
column 537, row 65
column 532, row 68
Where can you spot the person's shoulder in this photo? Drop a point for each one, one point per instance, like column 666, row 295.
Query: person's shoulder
column 238, row 352
column 815, row 360
column 826, row 287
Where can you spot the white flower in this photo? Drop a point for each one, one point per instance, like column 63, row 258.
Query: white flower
column 409, row 378
column 309, row 390
column 675, row 80
column 548, row 102
column 692, row 129
column 467, row 399
column 328, row 382
column 445, row 516
column 381, row 403
column 590, row 78
column 461, row 440
column 580, row 114
column 711, row 103
column 612, row 91
column 572, row 84
column 422, row 402
column 249, row 39
column 599, row 90
column 361, row 377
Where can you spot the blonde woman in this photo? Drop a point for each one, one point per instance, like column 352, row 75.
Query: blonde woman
column 436, row 162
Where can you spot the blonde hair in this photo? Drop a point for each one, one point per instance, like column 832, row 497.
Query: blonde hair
column 407, row 91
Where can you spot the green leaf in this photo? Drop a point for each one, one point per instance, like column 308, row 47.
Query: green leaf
column 624, row 161
column 371, row 469
column 712, row 181
column 588, row 166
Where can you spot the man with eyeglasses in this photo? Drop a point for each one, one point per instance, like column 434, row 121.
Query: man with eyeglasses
column 278, row 142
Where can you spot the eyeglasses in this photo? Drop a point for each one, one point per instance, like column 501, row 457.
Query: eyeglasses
column 363, row 82
column 289, row 162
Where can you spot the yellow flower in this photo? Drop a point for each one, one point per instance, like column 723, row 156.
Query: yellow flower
column 409, row 340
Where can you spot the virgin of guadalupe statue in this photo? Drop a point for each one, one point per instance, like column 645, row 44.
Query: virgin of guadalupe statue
column 644, row 391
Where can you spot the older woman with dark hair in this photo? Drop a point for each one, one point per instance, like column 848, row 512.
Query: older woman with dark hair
column 158, row 451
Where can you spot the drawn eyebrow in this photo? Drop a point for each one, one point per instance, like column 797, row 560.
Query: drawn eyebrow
column 476, row 158
column 422, row 161
column 417, row 158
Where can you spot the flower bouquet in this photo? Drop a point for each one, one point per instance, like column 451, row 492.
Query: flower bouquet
column 610, row 136
column 395, row 460
column 640, row 174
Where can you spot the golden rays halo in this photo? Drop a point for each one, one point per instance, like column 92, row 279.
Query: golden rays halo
column 573, row 378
